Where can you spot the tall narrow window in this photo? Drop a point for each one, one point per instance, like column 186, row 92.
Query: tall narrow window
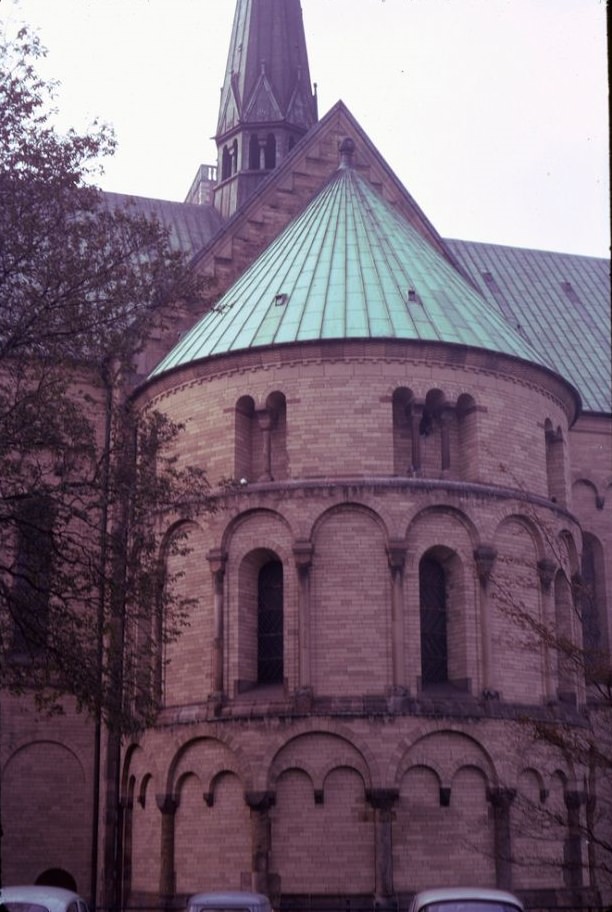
column 270, row 151
column 434, row 647
column 270, row 667
column 254, row 152
column 226, row 164
column 592, row 603
column 32, row 574
column 555, row 468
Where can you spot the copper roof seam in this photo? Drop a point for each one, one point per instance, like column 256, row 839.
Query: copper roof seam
column 359, row 189
column 315, row 240
column 334, row 216
column 292, row 243
column 359, row 266
column 260, row 272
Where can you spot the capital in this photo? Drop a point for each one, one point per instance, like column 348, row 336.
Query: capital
column 260, row 801
column 546, row 572
column 485, row 556
column 396, row 553
column 167, row 804
column 217, row 559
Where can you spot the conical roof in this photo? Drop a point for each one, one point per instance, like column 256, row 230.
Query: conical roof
column 349, row 267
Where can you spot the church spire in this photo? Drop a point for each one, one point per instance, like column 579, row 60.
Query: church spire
column 267, row 102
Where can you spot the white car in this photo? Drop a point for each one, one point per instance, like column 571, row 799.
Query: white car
column 41, row 899
column 465, row 899
column 231, row 901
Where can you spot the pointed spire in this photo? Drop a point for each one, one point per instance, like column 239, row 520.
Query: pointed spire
column 267, row 102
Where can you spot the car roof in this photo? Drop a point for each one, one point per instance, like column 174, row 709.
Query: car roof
column 229, row 898
column 54, row 898
column 447, row 894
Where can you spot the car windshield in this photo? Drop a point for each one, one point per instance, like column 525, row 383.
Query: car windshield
column 469, row 905
column 218, row 909
column 14, row 905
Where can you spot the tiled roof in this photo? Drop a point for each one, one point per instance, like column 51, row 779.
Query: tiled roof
column 561, row 303
column 349, row 267
column 191, row 226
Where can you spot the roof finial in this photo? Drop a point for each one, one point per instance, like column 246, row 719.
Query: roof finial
column 347, row 151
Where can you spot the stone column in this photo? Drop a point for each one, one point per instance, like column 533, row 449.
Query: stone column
column 546, row 573
column 167, row 876
column 396, row 553
column 382, row 800
column 217, row 559
column 485, row 556
column 264, row 420
column 501, row 801
column 302, row 553
column 260, row 804
column 572, row 850
column 262, row 154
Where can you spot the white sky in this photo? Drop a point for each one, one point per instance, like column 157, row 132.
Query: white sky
column 493, row 113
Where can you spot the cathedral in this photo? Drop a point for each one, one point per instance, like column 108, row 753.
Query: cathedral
column 409, row 440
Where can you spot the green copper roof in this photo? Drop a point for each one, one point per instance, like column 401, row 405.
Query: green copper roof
column 349, row 267
column 561, row 302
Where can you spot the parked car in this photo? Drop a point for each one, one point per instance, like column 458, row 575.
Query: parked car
column 41, row 899
column 465, row 899
column 232, row 901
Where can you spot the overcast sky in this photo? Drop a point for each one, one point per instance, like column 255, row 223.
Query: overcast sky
column 493, row 113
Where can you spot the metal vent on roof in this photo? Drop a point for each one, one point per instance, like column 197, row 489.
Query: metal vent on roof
column 280, row 299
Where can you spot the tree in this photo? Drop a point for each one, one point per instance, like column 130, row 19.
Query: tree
column 568, row 826
column 84, row 480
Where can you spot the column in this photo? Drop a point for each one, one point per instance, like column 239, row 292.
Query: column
column 572, row 850
column 262, row 154
column 396, row 553
column 382, row 800
column 260, row 804
column 217, row 560
column 167, row 876
column 264, row 420
column 302, row 553
column 501, row 801
column 546, row 573
column 485, row 556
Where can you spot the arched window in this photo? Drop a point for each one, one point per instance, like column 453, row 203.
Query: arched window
column 555, row 463
column 270, row 151
column 592, row 602
column 226, row 164
column 432, row 599
column 270, row 666
column 254, row 152
column 434, row 446
column 467, row 429
column 31, row 589
column 245, row 430
column 406, row 450
column 276, row 405
column 565, row 644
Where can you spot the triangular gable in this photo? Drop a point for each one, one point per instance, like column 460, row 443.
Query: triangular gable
column 229, row 116
column 299, row 109
column 291, row 186
column 262, row 107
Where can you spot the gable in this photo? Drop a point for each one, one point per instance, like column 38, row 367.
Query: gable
column 291, row 186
